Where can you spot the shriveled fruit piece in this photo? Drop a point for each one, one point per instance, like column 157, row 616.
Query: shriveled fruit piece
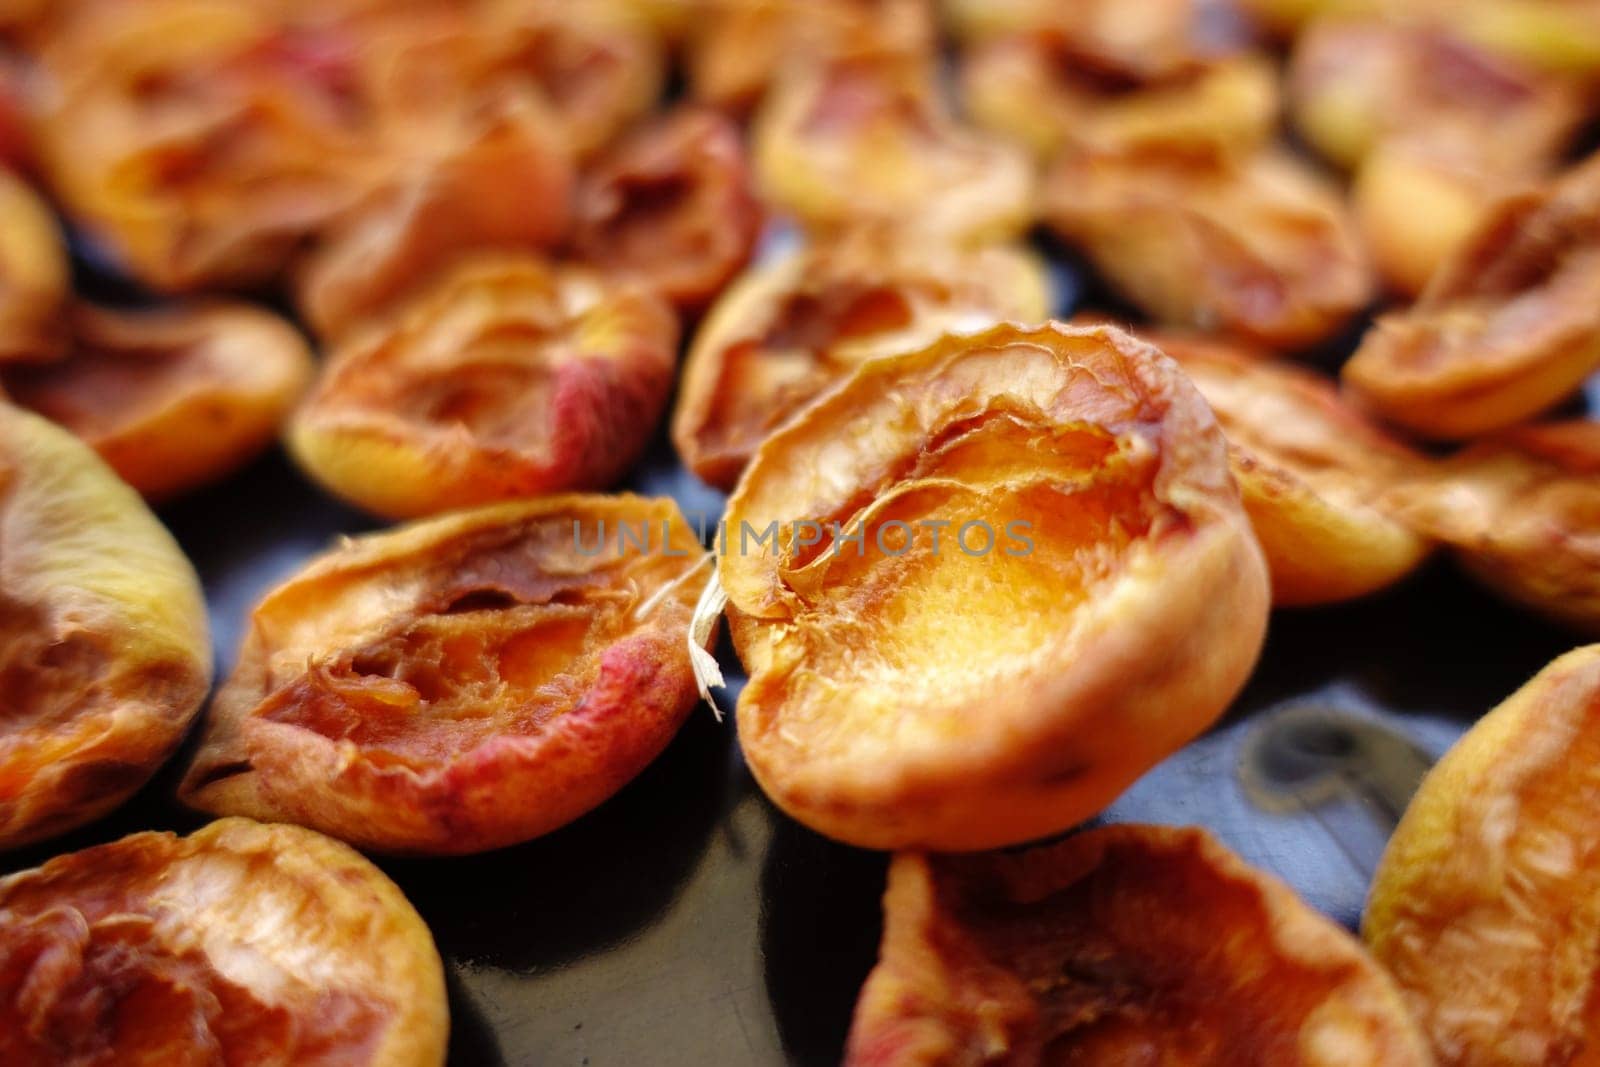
column 1316, row 476
column 1509, row 327
column 1258, row 247
column 1122, row 945
column 1562, row 36
column 106, row 656
column 792, row 327
column 1520, row 510
column 34, row 279
column 505, row 378
column 1044, row 513
column 241, row 943
column 1486, row 907
column 671, row 205
column 736, row 48
column 175, row 397
column 463, row 683
column 866, row 139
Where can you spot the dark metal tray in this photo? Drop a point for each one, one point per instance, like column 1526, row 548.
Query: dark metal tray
column 686, row 922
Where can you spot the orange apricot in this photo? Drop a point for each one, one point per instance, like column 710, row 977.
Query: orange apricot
column 171, row 398
column 671, row 205
column 463, row 683
column 865, row 139
column 1040, row 511
column 1508, row 328
column 792, row 327
column 1486, row 907
column 34, row 278
column 1121, row 945
column 106, row 653
column 241, row 943
column 1259, row 248
column 1315, row 474
column 505, row 378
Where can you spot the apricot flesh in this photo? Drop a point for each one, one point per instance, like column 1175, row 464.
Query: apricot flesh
column 175, row 397
column 1315, row 474
column 242, row 942
column 1508, row 328
column 790, row 328
column 1121, row 945
column 462, row 683
column 505, row 378
column 1486, row 907
column 1093, row 562
column 106, row 652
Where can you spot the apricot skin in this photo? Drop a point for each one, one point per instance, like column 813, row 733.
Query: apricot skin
column 1313, row 472
column 107, row 655
column 459, row 684
column 507, row 378
column 34, row 283
column 1486, row 907
column 1121, row 945
column 172, row 398
column 242, row 942
column 1125, row 630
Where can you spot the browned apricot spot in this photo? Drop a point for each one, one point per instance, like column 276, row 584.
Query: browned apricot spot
column 505, row 378
column 1522, row 511
column 866, row 139
column 105, row 651
column 34, row 281
column 671, row 205
column 1316, row 476
column 789, row 329
column 241, row 943
column 462, row 683
column 171, row 398
column 1486, row 907
column 1510, row 326
column 1257, row 247
column 1123, row 945
column 1044, row 513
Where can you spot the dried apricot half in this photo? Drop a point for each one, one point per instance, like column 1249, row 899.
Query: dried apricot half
column 1486, row 907
column 106, row 653
column 1040, row 511
column 1522, row 511
column 1507, row 329
column 672, row 205
column 34, row 279
column 505, row 378
column 174, row 397
column 241, row 943
column 1258, row 247
column 1121, row 945
column 462, row 683
column 866, row 138
column 792, row 327
column 1315, row 474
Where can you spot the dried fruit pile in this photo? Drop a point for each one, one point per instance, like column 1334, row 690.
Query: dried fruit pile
column 984, row 567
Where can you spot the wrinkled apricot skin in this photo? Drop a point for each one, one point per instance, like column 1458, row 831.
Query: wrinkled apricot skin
column 1119, row 626
column 1508, row 328
column 673, row 206
column 853, row 141
column 1519, row 509
column 1312, row 471
column 1260, row 249
column 792, row 327
column 506, row 378
column 241, row 943
column 463, row 683
column 106, row 653
column 1486, row 907
column 172, row 398
column 1122, row 945
column 34, row 278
